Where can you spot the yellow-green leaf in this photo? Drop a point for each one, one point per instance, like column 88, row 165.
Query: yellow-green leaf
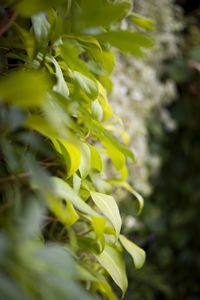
column 109, row 208
column 97, row 110
column 99, row 224
column 132, row 191
column 96, row 160
column 66, row 214
column 64, row 191
column 85, row 164
column 142, row 22
column 72, row 156
column 24, row 88
column 84, row 38
column 86, row 84
column 113, row 261
column 136, row 252
column 116, row 156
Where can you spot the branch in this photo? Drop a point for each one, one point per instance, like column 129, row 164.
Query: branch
column 14, row 177
column 4, row 27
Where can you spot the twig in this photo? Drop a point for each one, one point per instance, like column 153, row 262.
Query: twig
column 14, row 177
column 86, row 233
column 5, row 27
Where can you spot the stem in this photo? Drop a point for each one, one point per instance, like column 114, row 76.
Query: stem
column 5, row 27
column 13, row 177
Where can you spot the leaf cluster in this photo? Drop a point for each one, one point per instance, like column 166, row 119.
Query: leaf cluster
column 60, row 224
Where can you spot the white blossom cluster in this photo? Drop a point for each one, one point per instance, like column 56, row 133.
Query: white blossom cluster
column 138, row 88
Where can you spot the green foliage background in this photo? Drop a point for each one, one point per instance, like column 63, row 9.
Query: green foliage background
column 169, row 228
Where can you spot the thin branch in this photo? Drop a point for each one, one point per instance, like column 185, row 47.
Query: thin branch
column 14, row 177
column 5, row 27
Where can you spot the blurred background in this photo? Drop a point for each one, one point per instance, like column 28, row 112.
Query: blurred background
column 158, row 97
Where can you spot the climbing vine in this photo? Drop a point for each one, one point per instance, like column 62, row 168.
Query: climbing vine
column 60, row 224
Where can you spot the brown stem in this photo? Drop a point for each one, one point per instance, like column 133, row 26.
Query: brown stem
column 4, row 27
column 86, row 233
column 14, row 177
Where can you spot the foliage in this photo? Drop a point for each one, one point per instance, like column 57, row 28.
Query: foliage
column 59, row 223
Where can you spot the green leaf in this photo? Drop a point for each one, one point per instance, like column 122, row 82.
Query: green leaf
column 112, row 260
column 76, row 182
column 86, row 85
column 70, row 55
column 66, row 214
column 72, row 215
column 142, row 22
column 102, row 13
column 85, row 164
column 105, row 289
column 84, row 38
column 109, row 208
column 106, row 82
column 99, row 224
column 106, row 58
column 96, row 160
column 97, row 110
column 136, row 252
column 41, row 27
column 132, row 191
column 28, row 40
column 116, row 156
column 71, row 154
column 100, row 184
column 61, row 86
column 10, row 290
column 126, row 41
column 28, row 8
column 24, row 88
column 108, row 137
column 64, row 191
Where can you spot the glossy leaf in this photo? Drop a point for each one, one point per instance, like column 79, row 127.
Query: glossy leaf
column 87, row 85
column 109, row 208
column 116, row 156
column 132, row 191
column 70, row 55
column 96, row 160
column 64, row 191
column 136, row 252
column 97, row 111
column 112, row 260
column 61, row 85
column 99, row 226
column 85, row 164
column 66, row 214
column 41, row 27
